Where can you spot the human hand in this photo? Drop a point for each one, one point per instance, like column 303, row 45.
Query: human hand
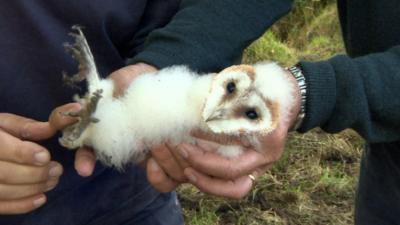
column 124, row 77
column 210, row 172
column 85, row 159
column 26, row 171
column 231, row 177
column 164, row 169
column 217, row 175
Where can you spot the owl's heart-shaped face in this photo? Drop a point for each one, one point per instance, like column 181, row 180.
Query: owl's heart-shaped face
column 236, row 106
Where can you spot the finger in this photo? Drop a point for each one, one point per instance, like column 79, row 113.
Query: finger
column 59, row 119
column 158, row 178
column 22, row 205
column 261, row 170
column 217, row 138
column 208, row 146
column 25, row 128
column 11, row 173
column 24, row 152
column 235, row 189
column 218, row 166
column 85, row 161
column 10, row 192
column 51, row 184
column 164, row 158
column 175, row 153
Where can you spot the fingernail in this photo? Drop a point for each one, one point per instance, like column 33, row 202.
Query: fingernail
column 55, row 170
column 41, row 157
column 75, row 108
column 191, row 177
column 50, row 185
column 154, row 166
column 85, row 166
column 39, row 201
column 183, row 152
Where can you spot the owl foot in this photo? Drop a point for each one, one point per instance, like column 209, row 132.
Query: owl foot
column 71, row 134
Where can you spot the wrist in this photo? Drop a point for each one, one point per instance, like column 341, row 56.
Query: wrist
column 299, row 93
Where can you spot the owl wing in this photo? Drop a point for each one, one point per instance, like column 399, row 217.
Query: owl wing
column 81, row 52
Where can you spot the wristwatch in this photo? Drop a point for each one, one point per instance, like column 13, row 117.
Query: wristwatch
column 301, row 81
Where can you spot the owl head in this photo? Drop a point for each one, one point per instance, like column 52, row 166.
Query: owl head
column 245, row 99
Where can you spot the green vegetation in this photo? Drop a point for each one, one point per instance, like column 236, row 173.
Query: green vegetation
column 315, row 181
column 310, row 32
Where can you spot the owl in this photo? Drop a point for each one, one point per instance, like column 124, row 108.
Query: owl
column 242, row 101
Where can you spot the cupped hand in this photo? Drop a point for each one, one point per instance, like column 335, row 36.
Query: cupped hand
column 210, row 172
column 26, row 169
column 231, row 177
column 217, row 175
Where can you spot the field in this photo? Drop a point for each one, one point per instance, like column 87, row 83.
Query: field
column 315, row 181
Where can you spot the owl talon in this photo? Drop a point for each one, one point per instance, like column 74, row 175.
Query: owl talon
column 85, row 117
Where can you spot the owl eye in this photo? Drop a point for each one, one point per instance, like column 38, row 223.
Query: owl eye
column 231, row 87
column 251, row 114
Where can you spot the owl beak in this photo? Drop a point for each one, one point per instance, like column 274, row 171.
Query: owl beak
column 217, row 115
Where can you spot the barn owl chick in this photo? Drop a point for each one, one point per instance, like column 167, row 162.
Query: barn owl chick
column 244, row 101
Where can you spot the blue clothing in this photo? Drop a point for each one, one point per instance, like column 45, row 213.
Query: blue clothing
column 378, row 194
column 31, row 61
column 198, row 33
column 207, row 35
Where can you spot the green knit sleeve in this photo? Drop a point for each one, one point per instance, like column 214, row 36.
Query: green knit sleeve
column 208, row 35
column 361, row 93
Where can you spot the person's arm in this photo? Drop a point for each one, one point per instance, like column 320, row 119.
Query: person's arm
column 209, row 35
column 361, row 93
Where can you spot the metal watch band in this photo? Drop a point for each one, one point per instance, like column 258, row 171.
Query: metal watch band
column 301, row 81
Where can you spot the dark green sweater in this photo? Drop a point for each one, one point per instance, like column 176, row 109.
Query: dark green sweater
column 343, row 92
column 361, row 92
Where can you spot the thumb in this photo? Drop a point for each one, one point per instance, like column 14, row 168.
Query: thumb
column 58, row 119
column 85, row 161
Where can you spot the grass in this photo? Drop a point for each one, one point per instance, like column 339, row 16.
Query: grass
column 315, row 180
